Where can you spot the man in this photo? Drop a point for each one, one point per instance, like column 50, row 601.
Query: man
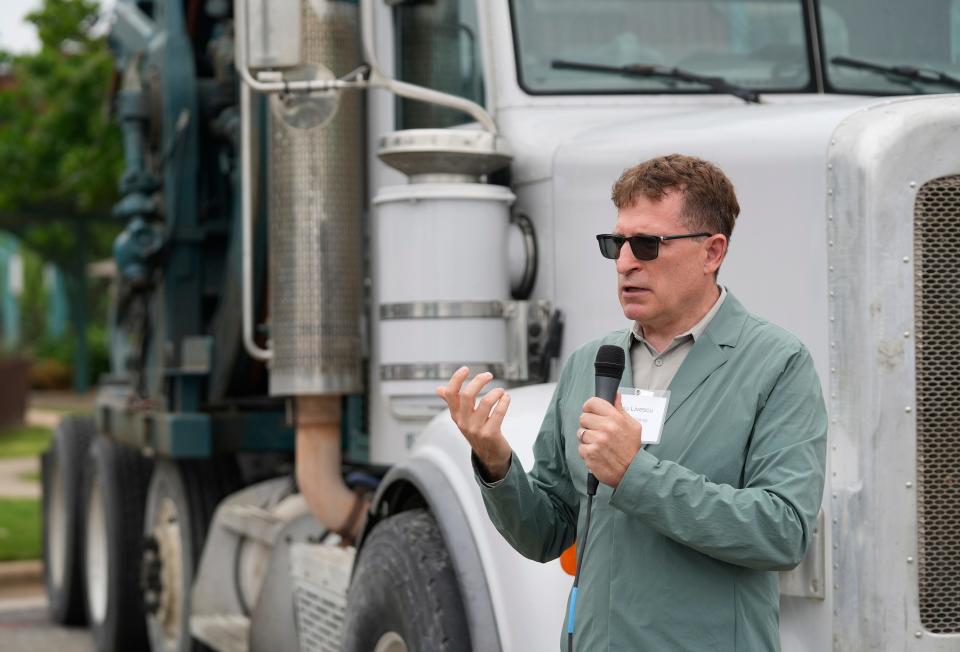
column 686, row 534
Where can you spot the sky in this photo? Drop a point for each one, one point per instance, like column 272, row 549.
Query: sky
column 15, row 34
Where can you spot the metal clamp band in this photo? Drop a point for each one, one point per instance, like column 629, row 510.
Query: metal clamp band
column 447, row 310
column 436, row 371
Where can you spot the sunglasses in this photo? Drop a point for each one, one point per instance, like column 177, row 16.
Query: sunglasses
column 644, row 247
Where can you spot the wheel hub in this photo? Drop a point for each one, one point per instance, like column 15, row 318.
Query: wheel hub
column 391, row 642
column 95, row 558
column 150, row 572
column 162, row 571
column 56, row 526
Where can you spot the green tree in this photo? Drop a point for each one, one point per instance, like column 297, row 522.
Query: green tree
column 60, row 153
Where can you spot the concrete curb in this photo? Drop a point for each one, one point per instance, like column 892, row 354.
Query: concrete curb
column 16, row 573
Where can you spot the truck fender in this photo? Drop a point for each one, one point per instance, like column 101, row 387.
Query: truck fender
column 414, row 483
column 511, row 603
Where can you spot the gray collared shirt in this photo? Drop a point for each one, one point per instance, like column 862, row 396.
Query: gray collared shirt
column 654, row 369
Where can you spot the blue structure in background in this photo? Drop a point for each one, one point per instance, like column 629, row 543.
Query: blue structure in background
column 11, row 285
column 11, row 290
column 57, row 306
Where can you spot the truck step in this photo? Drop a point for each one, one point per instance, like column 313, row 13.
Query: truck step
column 321, row 577
column 225, row 633
column 252, row 522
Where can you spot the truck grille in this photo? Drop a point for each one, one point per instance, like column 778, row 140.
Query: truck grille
column 937, row 313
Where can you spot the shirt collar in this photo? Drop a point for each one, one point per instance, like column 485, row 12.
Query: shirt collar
column 695, row 331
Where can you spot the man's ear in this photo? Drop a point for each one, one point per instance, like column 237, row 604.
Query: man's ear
column 716, row 250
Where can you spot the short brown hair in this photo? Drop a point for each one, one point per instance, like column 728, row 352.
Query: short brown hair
column 709, row 201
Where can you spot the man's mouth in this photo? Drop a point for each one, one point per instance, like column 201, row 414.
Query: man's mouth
column 633, row 290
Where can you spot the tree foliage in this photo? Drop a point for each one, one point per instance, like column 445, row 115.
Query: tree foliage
column 59, row 150
column 60, row 153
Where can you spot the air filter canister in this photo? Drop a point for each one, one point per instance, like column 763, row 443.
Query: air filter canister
column 443, row 283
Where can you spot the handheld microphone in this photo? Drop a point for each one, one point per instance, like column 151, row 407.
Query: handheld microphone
column 608, row 367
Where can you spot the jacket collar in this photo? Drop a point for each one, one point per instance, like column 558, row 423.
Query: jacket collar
column 709, row 353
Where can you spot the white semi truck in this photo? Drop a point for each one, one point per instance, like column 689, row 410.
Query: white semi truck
column 333, row 206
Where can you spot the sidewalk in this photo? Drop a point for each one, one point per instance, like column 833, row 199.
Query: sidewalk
column 12, row 482
column 58, row 401
column 21, row 585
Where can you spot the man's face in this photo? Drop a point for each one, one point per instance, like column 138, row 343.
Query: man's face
column 663, row 292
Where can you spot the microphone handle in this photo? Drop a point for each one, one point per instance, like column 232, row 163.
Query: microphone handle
column 606, row 388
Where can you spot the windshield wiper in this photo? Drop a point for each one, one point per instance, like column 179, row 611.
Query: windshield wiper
column 718, row 84
column 899, row 73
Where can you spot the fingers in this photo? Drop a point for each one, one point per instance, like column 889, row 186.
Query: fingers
column 499, row 412
column 596, row 405
column 468, row 397
column 580, row 433
column 472, row 418
column 478, row 418
column 451, row 392
column 594, row 421
column 474, row 386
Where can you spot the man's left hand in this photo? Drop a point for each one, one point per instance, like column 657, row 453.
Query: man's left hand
column 609, row 439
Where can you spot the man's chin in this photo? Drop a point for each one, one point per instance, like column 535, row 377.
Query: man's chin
column 636, row 312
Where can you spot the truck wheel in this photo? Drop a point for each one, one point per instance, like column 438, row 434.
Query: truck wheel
column 404, row 594
column 62, row 481
column 114, row 495
column 180, row 505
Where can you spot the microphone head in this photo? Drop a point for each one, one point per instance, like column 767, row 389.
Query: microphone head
column 610, row 361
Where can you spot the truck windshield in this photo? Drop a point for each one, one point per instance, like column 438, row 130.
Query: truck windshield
column 755, row 44
column 891, row 34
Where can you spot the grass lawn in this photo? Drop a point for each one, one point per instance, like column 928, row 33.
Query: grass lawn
column 19, row 529
column 26, row 441
column 30, row 476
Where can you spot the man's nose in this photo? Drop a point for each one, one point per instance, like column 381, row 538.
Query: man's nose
column 626, row 261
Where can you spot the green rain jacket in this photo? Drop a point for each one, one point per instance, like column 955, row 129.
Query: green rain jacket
column 683, row 554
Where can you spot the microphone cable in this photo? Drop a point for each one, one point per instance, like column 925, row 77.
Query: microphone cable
column 608, row 367
column 591, row 490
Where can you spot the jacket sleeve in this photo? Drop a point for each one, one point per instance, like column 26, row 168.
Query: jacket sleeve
column 765, row 525
column 537, row 512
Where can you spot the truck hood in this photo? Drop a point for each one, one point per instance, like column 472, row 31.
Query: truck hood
column 541, row 135
column 775, row 154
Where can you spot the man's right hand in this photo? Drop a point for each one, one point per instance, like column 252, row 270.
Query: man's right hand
column 480, row 422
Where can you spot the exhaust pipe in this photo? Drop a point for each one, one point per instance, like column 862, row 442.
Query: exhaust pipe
column 318, row 469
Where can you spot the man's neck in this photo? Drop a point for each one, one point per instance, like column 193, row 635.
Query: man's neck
column 660, row 335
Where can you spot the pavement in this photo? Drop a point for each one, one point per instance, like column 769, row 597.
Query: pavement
column 27, row 629
column 12, row 481
column 24, row 622
column 45, row 418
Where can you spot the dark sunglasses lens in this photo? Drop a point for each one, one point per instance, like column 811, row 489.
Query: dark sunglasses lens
column 644, row 248
column 610, row 246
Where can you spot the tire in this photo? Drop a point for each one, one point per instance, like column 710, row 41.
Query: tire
column 62, row 474
column 114, row 497
column 404, row 594
column 181, row 500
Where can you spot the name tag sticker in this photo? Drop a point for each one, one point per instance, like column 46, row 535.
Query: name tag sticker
column 649, row 407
